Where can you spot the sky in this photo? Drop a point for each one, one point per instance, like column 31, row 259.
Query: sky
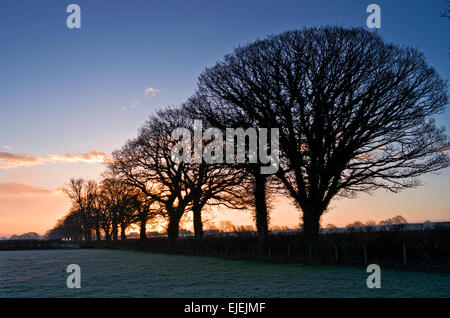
column 68, row 97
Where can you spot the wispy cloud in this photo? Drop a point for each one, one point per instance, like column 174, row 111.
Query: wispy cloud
column 78, row 157
column 7, row 189
column 151, row 91
column 134, row 103
column 15, row 160
column 6, row 147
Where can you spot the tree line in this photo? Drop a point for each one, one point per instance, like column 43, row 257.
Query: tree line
column 354, row 113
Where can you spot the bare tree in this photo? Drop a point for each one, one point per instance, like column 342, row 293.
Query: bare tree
column 146, row 163
column 395, row 220
column 69, row 227
column 120, row 205
column 355, row 224
column 146, row 209
column 214, row 185
column 83, row 194
column 93, row 204
column 259, row 186
column 354, row 112
column 58, row 232
column 105, row 204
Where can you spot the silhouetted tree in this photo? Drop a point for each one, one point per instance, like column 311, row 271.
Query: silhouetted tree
column 83, row 194
column 354, row 112
column 214, row 185
column 107, row 211
column 355, row 224
column 258, row 185
column 146, row 209
column 120, row 205
column 146, row 163
column 395, row 220
column 72, row 225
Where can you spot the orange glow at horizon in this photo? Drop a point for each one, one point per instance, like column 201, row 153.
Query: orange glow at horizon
column 25, row 208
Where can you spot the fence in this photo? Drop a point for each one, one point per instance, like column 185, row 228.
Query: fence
column 422, row 249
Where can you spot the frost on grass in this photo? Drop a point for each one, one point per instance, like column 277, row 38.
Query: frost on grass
column 112, row 273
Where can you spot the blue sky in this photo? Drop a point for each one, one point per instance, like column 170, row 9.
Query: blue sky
column 65, row 90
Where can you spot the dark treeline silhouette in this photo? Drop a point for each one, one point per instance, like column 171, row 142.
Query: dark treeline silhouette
column 354, row 114
column 102, row 209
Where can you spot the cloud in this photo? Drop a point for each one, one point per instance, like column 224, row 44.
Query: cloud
column 6, row 147
column 78, row 157
column 7, row 189
column 134, row 103
column 14, row 160
column 151, row 91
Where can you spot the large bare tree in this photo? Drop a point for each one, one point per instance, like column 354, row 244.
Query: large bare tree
column 259, row 186
column 146, row 163
column 354, row 112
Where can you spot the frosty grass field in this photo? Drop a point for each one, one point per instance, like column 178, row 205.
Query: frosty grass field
column 113, row 273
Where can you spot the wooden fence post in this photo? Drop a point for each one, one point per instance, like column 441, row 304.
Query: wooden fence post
column 336, row 253
column 405, row 260
column 310, row 253
column 365, row 254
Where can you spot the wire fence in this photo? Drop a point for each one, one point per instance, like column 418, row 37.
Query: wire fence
column 422, row 249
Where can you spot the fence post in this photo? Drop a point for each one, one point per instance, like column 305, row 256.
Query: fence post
column 310, row 253
column 268, row 251
column 365, row 254
column 336, row 253
column 405, row 260
column 289, row 251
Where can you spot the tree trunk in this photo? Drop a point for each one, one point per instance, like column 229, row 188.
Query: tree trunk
column 143, row 229
column 198, row 225
column 173, row 229
column 106, row 229
column 88, row 235
column 123, row 236
column 311, row 223
column 97, row 233
column 114, row 231
column 87, row 232
column 261, row 213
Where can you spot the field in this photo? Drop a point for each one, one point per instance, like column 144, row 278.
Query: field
column 115, row 273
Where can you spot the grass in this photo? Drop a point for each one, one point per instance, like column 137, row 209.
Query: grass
column 114, row 273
